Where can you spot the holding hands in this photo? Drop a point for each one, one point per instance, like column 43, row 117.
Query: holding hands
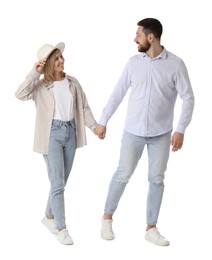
column 100, row 130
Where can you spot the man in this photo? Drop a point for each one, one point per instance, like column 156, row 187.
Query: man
column 155, row 77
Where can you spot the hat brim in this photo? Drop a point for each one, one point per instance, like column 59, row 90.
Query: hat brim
column 60, row 46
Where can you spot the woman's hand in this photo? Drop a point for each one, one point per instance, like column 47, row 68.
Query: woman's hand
column 40, row 65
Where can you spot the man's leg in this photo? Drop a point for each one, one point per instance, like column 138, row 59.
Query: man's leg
column 158, row 152
column 131, row 151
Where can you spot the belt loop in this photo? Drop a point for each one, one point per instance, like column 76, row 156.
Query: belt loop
column 73, row 123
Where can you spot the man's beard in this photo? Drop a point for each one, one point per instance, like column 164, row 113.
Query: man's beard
column 144, row 48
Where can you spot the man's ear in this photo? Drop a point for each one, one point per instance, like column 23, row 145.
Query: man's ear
column 150, row 37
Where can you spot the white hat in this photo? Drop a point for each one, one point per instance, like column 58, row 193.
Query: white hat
column 47, row 49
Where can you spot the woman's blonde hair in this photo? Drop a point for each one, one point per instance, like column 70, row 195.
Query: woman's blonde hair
column 49, row 68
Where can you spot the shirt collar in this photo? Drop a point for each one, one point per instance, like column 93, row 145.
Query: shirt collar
column 162, row 55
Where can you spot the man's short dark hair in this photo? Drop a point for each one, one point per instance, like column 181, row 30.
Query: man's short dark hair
column 151, row 25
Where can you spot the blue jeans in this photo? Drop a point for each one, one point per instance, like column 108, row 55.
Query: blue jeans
column 131, row 150
column 59, row 161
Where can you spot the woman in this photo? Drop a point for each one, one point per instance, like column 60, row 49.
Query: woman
column 62, row 112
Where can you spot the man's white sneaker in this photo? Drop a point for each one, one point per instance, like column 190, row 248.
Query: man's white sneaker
column 50, row 224
column 64, row 238
column 107, row 231
column 155, row 237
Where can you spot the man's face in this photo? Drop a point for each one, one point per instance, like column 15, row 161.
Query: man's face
column 141, row 40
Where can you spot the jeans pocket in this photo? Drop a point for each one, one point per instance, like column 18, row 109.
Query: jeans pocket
column 54, row 127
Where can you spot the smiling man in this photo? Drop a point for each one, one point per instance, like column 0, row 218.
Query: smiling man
column 156, row 77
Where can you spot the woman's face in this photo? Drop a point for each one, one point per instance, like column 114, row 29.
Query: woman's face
column 58, row 61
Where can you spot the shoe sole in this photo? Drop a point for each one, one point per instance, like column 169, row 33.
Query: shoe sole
column 107, row 238
column 66, row 244
column 157, row 243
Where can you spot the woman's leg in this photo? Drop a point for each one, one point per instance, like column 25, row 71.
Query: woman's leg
column 62, row 146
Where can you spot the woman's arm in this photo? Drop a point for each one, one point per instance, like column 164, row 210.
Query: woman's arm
column 26, row 90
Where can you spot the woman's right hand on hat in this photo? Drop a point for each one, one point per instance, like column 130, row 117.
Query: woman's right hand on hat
column 40, row 65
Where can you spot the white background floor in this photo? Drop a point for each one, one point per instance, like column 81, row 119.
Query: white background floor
column 99, row 40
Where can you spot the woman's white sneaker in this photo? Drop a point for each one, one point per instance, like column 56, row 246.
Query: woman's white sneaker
column 50, row 224
column 154, row 236
column 107, row 231
column 64, row 238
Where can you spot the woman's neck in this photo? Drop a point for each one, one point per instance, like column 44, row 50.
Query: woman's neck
column 59, row 76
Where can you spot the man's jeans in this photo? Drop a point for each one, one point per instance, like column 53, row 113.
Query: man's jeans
column 59, row 161
column 131, row 150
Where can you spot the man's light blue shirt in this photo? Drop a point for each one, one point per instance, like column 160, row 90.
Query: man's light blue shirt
column 155, row 85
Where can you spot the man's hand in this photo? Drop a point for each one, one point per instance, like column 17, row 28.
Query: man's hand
column 100, row 130
column 177, row 141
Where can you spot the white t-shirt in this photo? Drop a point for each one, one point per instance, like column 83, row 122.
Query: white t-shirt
column 63, row 100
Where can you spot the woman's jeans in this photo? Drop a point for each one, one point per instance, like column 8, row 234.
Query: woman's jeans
column 131, row 150
column 59, row 161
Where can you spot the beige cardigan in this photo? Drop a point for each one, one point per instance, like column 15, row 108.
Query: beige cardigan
column 34, row 88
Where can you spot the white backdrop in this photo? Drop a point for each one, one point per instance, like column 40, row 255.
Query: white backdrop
column 99, row 40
